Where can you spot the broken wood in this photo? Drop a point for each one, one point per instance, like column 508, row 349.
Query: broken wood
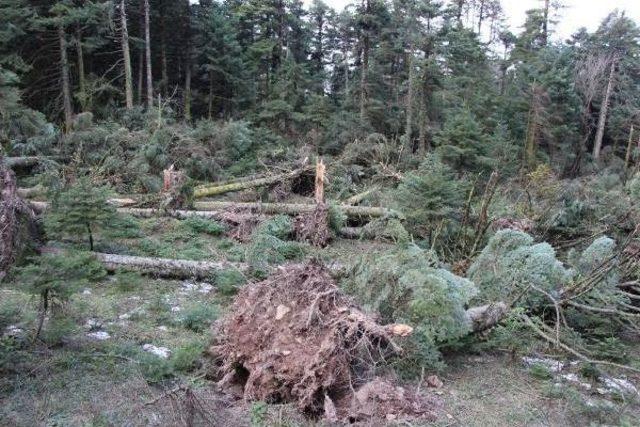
column 295, row 208
column 172, row 180
column 319, row 184
column 217, row 189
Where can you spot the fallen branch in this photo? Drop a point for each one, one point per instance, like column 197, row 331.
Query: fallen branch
column 357, row 198
column 295, row 209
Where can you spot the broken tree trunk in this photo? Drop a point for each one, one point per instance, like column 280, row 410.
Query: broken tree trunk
column 23, row 161
column 295, row 209
column 217, row 189
column 357, row 198
column 319, row 184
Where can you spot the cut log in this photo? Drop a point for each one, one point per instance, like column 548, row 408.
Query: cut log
column 319, row 185
column 29, row 192
column 295, row 209
column 216, row 189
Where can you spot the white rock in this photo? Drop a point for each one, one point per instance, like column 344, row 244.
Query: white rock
column 205, row 288
column 175, row 309
column 86, row 292
column 573, row 378
column 162, row 352
column 124, row 316
column 552, row 365
column 163, row 328
column 99, row 335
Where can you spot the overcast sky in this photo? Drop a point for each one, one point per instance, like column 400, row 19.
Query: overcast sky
column 578, row 13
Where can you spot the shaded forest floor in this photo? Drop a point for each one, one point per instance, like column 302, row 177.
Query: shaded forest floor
column 106, row 367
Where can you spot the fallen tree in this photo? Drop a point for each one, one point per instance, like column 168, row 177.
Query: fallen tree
column 17, row 222
column 228, row 187
column 297, row 338
column 295, row 208
column 160, row 267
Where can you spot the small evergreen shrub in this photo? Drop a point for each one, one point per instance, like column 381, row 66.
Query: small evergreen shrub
column 228, row 281
column 80, row 209
column 198, row 317
column 186, row 358
column 280, row 226
column 203, row 225
column 429, row 195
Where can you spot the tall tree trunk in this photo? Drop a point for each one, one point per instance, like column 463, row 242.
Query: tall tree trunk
column 128, row 83
column 187, row 76
column 141, row 58
column 409, row 124
column 66, row 88
column 481, row 17
column 365, row 67
column 545, row 23
column 627, row 158
column 459, row 11
column 147, row 47
column 210, row 115
column 82, row 81
column 604, row 110
column 533, row 127
column 164, row 85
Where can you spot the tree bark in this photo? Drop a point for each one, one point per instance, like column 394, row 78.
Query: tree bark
column 187, row 77
column 409, row 124
column 66, row 87
column 604, row 111
column 364, row 66
column 82, row 80
column 627, row 158
column 141, row 58
column 128, row 84
column 296, row 209
column 217, row 189
column 545, row 23
column 147, row 48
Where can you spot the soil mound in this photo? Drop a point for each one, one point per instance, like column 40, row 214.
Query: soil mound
column 296, row 338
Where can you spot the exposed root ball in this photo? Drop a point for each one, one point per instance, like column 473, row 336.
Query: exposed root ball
column 313, row 227
column 296, row 337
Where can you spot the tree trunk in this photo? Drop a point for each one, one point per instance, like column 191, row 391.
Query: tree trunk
column 147, row 47
column 545, row 24
column 82, row 81
column 187, row 77
column 481, row 17
column 66, row 87
column 210, row 106
column 128, row 83
column 163, row 267
column 409, row 124
column 222, row 188
column 364, row 68
column 141, row 57
column 627, row 158
column 295, row 209
column 164, row 68
column 604, row 110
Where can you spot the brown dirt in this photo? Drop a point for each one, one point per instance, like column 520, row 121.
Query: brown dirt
column 313, row 227
column 296, row 338
column 241, row 224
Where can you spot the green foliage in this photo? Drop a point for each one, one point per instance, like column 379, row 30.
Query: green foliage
column 203, row 225
column 185, row 359
column 258, row 414
column 280, row 226
column 198, row 317
column 79, row 210
column 429, row 195
column 229, row 280
column 511, row 263
column 266, row 249
column 154, row 369
column 633, row 187
column 405, row 285
column 462, row 144
column 60, row 275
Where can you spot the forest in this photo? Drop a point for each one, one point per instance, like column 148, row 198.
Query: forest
column 274, row 213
